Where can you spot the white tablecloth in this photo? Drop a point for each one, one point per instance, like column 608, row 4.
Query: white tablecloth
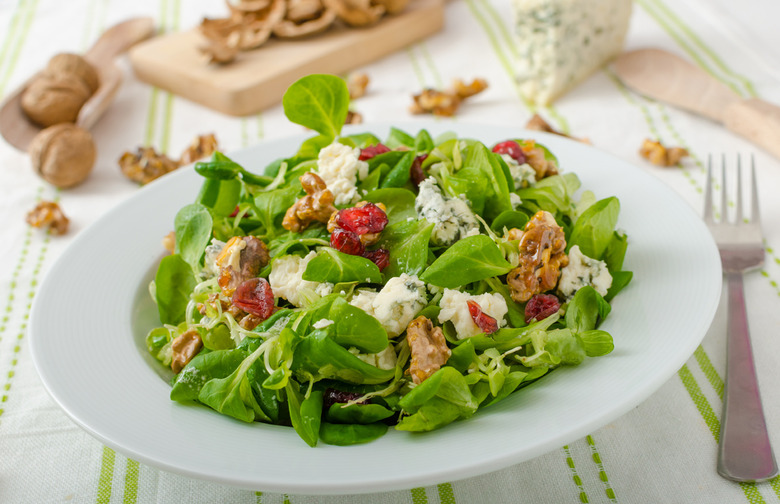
column 662, row 451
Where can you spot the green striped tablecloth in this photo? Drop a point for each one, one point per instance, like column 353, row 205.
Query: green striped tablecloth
column 662, row 451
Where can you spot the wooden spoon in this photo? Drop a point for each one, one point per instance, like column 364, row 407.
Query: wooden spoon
column 19, row 131
column 667, row 77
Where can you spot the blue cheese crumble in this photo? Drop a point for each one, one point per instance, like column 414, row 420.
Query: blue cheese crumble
column 581, row 271
column 452, row 218
column 454, row 308
column 340, row 168
column 561, row 42
column 286, row 280
column 396, row 304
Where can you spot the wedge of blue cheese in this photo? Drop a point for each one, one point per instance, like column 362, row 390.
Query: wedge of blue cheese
column 562, row 42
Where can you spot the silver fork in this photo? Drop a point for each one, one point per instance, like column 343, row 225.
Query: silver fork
column 745, row 453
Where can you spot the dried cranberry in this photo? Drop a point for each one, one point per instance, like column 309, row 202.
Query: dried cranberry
column 332, row 396
column 380, row 257
column 346, row 241
column 512, row 149
column 485, row 322
column 361, row 220
column 541, row 306
column 416, row 171
column 256, row 297
column 373, row 150
column 235, row 212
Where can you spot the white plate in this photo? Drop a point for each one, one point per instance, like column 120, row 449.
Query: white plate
column 92, row 312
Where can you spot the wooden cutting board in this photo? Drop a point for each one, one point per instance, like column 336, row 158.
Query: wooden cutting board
column 259, row 78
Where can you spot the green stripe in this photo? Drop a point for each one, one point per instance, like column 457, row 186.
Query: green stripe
column 258, row 497
column 698, row 42
column 132, row 469
column 151, row 118
column 416, row 67
column 431, row 65
column 709, row 371
column 419, row 496
column 502, row 58
column 446, row 494
column 608, row 490
column 709, row 416
column 105, row 481
column 260, row 128
column 29, row 14
column 680, row 142
column 286, row 499
column 582, row 494
column 683, row 43
column 10, row 35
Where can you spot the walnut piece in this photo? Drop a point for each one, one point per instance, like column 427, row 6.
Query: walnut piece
column 446, row 103
column 48, row 214
column 203, row 146
column 428, row 347
column 241, row 259
column 357, row 84
column 185, row 347
column 542, row 255
column 659, row 155
column 534, row 156
column 169, row 242
column 317, row 205
column 356, row 12
column 304, row 18
column 537, row 123
column 353, row 117
column 146, row 165
column 63, row 154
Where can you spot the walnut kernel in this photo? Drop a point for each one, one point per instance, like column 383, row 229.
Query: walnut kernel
column 48, row 214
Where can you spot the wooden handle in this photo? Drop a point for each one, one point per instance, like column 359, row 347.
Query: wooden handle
column 119, row 38
column 757, row 121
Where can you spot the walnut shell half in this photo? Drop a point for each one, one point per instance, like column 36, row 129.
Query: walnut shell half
column 63, row 154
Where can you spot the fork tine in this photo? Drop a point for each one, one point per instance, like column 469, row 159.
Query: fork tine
column 708, row 192
column 755, row 214
column 739, row 189
column 724, row 197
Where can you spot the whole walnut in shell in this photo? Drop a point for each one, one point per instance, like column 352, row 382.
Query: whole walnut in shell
column 63, row 154
column 50, row 100
column 74, row 65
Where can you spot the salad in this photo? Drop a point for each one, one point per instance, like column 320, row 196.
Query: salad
column 363, row 284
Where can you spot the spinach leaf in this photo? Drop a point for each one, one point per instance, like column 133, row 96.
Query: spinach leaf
column 350, row 434
column 202, row 368
column 319, row 102
column 193, row 231
column 399, row 203
column 593, row 230
column 330, row 265
column 468, row 260
column 407, row 242
column 509, row 219
column 616, row 251
column 173, row 282
column 423, row 141
column 357, row 413
column 441, row 399
column 619, row 280
column 219, row 167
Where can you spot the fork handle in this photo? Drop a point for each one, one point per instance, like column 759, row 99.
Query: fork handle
column 745, row 453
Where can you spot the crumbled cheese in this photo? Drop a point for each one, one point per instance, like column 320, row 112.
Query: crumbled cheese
column 210, row 266
column 322, row 323
column 286, row 279
column 523, row 175
column 230, row 256
column 396, row 304
column 581, row 271
column 454, row 308
column 515, row 200
column 452, row 217
column 340, row 168
column 386, row 359
column 561, row 42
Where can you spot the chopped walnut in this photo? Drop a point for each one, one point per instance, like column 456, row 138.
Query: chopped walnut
column 428, row 347
column 534, row 156
column 659, row 155
column 169, row 242
column 185, row 347
column 48, row 214
column 242, row 258
column 357, row 84
column 202, row 146
column 353, row 118
column 536, row 123
column 317, row 205
column 146, row 165
column 542, row 255
column 445, row 103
